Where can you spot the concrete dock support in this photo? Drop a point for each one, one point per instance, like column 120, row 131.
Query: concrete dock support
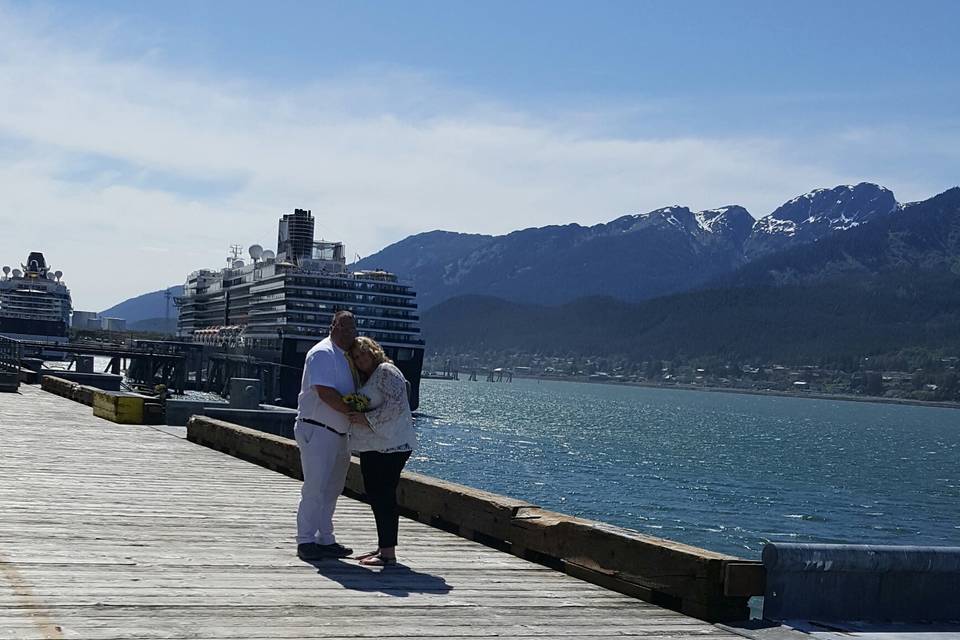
column 833, row 582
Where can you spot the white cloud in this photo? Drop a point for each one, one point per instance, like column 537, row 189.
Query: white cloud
column 129, row 175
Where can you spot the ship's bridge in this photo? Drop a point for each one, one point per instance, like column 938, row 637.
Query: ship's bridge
column 325, row 257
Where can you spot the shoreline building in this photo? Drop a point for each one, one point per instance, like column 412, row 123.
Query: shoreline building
column 93, row 321
column 85, row 320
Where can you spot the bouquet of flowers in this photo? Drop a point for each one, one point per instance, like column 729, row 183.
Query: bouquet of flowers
column 357, row 402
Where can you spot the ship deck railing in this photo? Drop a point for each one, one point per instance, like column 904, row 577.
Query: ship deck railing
column 10, row 353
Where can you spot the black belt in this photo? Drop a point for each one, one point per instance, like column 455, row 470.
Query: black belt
column 320, row 424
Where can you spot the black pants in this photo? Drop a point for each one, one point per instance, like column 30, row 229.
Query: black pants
column 381, row 475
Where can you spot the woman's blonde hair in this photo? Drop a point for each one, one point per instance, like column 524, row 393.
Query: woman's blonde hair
column 372, row 348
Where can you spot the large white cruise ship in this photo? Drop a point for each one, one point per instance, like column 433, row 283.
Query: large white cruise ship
column 278, row 305
column 34, row 303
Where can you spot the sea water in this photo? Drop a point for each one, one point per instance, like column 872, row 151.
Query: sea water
column 722, row 471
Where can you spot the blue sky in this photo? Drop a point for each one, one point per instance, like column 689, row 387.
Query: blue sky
column 560, row 53
column 166, row 131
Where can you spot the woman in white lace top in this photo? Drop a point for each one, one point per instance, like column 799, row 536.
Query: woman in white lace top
column 384, row 438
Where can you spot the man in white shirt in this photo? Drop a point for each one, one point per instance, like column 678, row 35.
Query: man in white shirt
column 321, row 432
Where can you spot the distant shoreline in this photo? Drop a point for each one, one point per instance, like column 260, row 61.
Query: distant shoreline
column 758, row 392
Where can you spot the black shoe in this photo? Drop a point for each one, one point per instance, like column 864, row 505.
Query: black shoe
column 335, row 550
column 310, row 551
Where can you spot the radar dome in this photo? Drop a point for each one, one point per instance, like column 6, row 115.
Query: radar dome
column 269, row 255
column 256, row 251
column 237, row 264
column 6, row 270
column 58, row 274
column 17, row 273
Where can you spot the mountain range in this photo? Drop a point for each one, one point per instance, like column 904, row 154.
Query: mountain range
column 920, row 236
column 832, row 273
column 833, row 324
column 888, row 287
column 634, row 257
column 148, row 311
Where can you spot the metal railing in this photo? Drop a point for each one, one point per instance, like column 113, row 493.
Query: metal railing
column 9, row 355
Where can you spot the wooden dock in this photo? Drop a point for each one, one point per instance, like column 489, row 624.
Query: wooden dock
column 112, row 531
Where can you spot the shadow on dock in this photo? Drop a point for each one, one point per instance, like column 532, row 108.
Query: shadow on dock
column 396, row 580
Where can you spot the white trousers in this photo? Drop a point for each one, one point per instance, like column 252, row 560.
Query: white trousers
column 325, row 458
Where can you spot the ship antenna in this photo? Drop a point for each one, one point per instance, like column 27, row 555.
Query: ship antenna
column 235, row 251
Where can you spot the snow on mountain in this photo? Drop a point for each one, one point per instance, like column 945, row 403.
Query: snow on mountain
column 816, row 214
column 731, row 223
column 634, row 257
column 678, row 217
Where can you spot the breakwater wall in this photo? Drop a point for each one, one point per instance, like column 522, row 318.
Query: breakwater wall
column 700, row 583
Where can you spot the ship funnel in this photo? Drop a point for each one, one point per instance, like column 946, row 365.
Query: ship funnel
column 36, row 261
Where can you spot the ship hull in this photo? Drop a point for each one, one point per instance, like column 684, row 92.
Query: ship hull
column 280, row 370
column 32, row 330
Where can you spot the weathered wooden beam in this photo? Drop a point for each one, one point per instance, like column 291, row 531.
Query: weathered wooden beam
column 747, row 578
column 58, row 386
column 123, row 408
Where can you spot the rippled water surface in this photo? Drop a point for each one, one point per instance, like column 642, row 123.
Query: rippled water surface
column 722, row 471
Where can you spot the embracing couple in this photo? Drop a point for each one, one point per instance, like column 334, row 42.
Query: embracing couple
column 328, row 429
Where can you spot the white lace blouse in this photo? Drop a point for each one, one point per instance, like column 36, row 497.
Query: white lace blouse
column 391, row 423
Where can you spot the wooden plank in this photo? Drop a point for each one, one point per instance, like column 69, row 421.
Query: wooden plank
column 365, row 631
column 112, row 531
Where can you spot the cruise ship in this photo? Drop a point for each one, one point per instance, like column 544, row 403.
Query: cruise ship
column 35, row 304
column 276, row 305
